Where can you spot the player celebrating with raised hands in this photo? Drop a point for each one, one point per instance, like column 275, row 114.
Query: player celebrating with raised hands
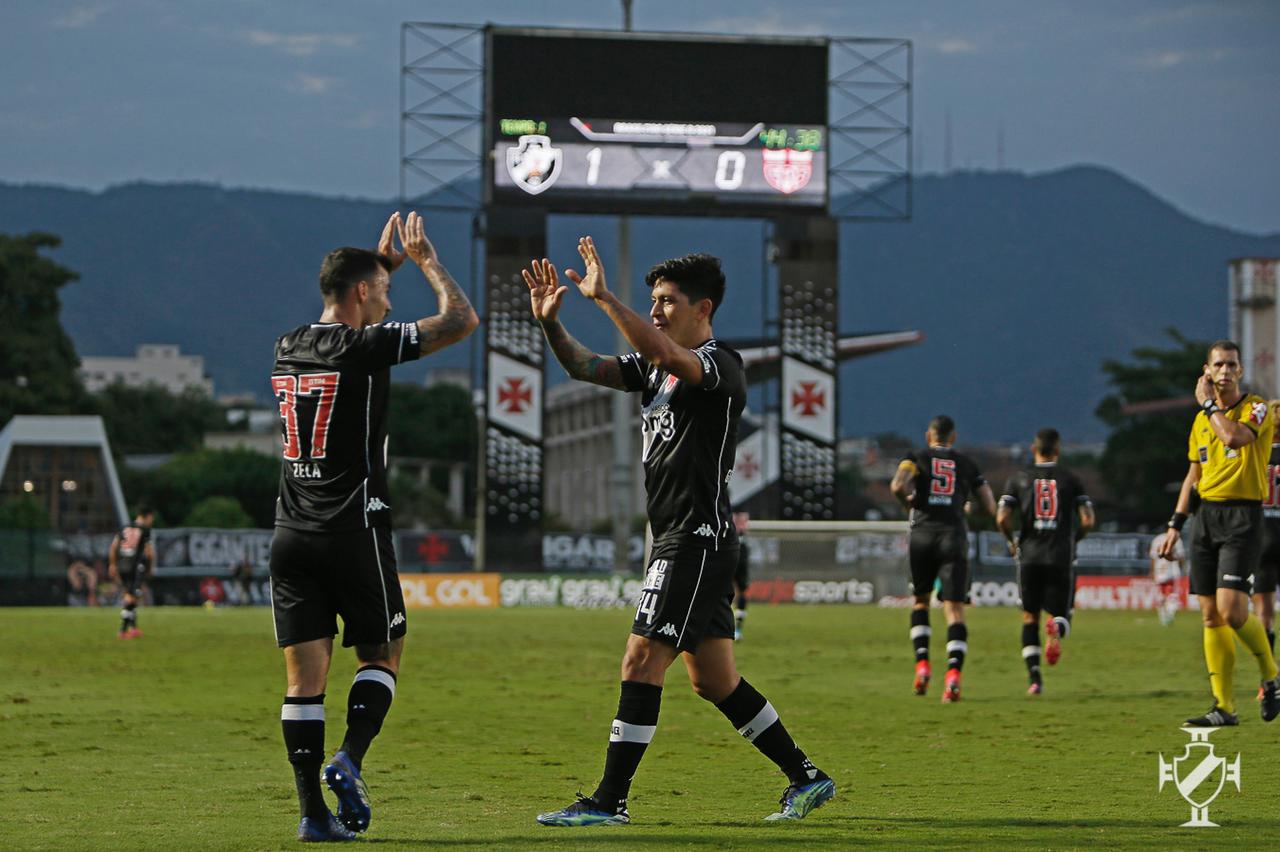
column 693, row 391
column 331, row 554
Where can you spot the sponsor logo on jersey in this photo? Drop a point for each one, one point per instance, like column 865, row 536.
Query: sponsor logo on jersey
column 1258, row 412
column 704, row 530
column 668, row 630
column 376, row 504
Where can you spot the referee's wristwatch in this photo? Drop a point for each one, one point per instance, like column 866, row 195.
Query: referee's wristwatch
column 1210, row 407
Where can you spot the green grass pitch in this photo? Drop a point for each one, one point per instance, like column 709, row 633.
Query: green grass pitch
column 173, row 741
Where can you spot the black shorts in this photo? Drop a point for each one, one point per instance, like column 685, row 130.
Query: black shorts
column 1264, row 579
column 131, row 582
column 940, row 553
column 742, row 574
column 687, row 596
column 1047, row 587
column 316, row 577
column 1227, row 546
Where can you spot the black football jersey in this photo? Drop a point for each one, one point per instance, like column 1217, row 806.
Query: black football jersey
column 131, row 555
column 944, row 480
column 331, row 382
column 690, row 441
column 1271, row 499
column 1047, row 498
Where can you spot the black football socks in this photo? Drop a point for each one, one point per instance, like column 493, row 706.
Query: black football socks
column 302, row 720
column 630, row 734
column 1031, row 650
column 957, row 646
column 367, row 705
column 920, row 633
column 757, row 721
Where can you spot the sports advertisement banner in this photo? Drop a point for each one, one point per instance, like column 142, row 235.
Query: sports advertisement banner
column 450, row 591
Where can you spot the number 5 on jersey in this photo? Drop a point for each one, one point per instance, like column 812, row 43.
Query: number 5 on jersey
column 287, row 389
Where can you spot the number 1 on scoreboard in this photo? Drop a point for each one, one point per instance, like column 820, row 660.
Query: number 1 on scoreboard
column 593, row 166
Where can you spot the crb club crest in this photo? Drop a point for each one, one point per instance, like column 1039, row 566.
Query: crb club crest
column 1199, row 775
column 533, row 164
column 787, row 170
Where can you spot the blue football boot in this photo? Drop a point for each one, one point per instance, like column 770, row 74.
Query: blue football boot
column 587, row 811
column 344, row 780
column 328, row 831
column 799, row 799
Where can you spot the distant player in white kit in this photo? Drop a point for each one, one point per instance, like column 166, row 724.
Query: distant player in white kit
column 1167, row 572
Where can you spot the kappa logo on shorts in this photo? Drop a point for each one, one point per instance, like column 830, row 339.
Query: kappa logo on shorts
column 399, row 619
column 704, row 530
column 668, row 630
column 375, row 504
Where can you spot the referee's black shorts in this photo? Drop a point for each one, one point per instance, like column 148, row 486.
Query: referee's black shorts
column 1227, row 546
column 318, row 576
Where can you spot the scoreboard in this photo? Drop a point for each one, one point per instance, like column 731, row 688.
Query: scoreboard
column 655, row 122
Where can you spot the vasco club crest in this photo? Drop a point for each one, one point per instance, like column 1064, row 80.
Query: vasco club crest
column 1199, row 775
column 787, row 170
column 533, row 164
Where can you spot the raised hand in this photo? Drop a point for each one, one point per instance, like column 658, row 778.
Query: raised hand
column 591, row 285
column 545, row 292
column 415, row 241
column 387, row 242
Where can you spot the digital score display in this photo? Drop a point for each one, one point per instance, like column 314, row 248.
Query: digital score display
column 661, row 122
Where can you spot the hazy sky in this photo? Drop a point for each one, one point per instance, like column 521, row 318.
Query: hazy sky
column 1181, row 95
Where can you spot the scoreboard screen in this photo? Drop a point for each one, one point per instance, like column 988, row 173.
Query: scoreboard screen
column 655, row 122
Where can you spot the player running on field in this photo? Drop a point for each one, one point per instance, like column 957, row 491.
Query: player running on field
column 1228, row 447
column 331, row 554
column 131, row 560
column 1264, row 579
column 693, row 391
column 934, row 485
column 1055, row 513
column 1166, row 573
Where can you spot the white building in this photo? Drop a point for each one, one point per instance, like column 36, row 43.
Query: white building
column 156, row 363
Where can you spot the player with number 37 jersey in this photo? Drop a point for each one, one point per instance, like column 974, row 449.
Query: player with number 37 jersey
column 331, row 382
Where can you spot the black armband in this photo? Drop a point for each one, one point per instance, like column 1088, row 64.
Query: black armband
column 1210, row 407
column 1178, row 519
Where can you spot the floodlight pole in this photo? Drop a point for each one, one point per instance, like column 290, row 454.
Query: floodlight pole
column 621, row 508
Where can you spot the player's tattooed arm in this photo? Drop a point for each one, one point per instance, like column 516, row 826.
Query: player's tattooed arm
column 456, row 318
column 579, row 361
column 545, row 296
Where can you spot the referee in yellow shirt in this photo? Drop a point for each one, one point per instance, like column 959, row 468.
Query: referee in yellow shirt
column 1229, row 447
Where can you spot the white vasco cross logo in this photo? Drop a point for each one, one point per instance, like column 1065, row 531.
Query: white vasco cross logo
column 1194, row 776
column 668, row 630
column 375, row 503
column 705, row 529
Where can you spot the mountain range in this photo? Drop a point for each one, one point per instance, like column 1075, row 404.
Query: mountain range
column 1022, row 284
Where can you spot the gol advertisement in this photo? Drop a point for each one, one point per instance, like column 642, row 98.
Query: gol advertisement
column 454, row 591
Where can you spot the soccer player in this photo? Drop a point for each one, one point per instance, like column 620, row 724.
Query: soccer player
column 1055, row 513
column 1228, row 448
column 130, row 561
column 1166, row 573
column 693, row 391
column 1264, row 579
column 934, row 485
column 331, row 553
column 741, row 574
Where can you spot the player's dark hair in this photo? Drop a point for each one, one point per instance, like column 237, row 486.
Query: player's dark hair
column 1047, row 442
column 142, row 510
column 697, row 275
column 345, row 267
column 1224, row 345
column 942, row 426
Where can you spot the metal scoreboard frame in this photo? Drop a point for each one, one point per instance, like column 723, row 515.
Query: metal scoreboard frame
column 805, row 165
column 446, row 125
